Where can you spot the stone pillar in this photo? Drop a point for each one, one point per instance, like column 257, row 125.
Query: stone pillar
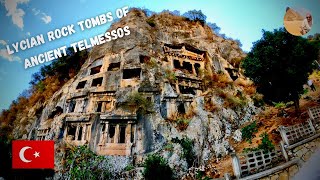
column 65, row 131
column 128, row 132
column 177, row 86
column 116, row 134
column 170, row 59
column 84, row 126
column 171, row 109
column 77, row 133
column 88, row 132
column 105, row 133
column 236, row 165
column 194, row 72
column 101, row 134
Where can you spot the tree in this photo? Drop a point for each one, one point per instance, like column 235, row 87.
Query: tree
column 279, row 64
column 214, row 27
column 157, row 168
column 195, row 15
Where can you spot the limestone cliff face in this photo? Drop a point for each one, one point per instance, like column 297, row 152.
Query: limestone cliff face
column 163, row 61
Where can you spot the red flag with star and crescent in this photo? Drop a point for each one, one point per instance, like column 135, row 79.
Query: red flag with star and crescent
column 32, row 154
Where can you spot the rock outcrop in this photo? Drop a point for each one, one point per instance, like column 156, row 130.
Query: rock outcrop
column 138, row 94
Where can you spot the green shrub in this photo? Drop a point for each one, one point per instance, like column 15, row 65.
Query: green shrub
column 258, row 100
column 183, row 123
column 169, row 74
column 248, row 131
column 40, row 86
column 129, row 167
column 168, row 147
column 152, row 63
column 279, row 105
column 82, row 163
column 187, row 146
column 200, row 175
column 157, row 168
column 151, row 22
column 137, row 102
column 266, row 144
column 234, row 102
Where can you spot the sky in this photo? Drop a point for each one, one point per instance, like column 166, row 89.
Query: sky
column 22, row 19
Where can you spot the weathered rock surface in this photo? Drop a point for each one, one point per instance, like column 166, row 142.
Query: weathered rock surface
column 164, row 64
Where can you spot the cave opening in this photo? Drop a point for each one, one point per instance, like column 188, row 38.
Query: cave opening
column 97, row 82
column 81, row 85
column 181, row 109
column 95, row 70
column 186, row 90
column 131, row 73
column 114, row 66
column 72, row 131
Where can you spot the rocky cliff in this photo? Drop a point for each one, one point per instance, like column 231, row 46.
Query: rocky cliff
column 171, row 79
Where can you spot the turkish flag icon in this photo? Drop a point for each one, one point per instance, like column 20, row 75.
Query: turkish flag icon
column 32, row 154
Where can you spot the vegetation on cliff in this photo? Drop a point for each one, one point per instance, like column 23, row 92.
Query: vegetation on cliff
column 44, row 84
column 82, row 163
column 157, row 168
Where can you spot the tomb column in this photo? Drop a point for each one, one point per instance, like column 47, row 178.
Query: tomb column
column 128, row 132
column 101, row 134
column 177, row 86
column 172, row 109
column 106, row 131
column 181, row 63
column 84, row 132
column 88, row 133
column 116, row 134
column 194, row 72
column 170, row 59
column 77, row 133
column 65, row 131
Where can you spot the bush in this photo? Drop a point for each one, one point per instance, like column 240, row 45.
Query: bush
column 129, row 167
column 234, row 102
column 157, row 168
column 152, row 63
column 151, row 22
column 169, row 74
column 258, row 100
column 266, row 144
column 279, row 105
column 250, row 90
column 200, row 175
column 168, row 147
column 248, row 132
column 82, row 163
column 209, row 105
column 137, row 102
column 183, row 123
column 187, row 146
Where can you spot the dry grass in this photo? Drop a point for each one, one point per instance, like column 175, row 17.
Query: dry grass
column 182, row 120
column 216, row 80
column 209, row 105
column 221, row 93
column 250, row 90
